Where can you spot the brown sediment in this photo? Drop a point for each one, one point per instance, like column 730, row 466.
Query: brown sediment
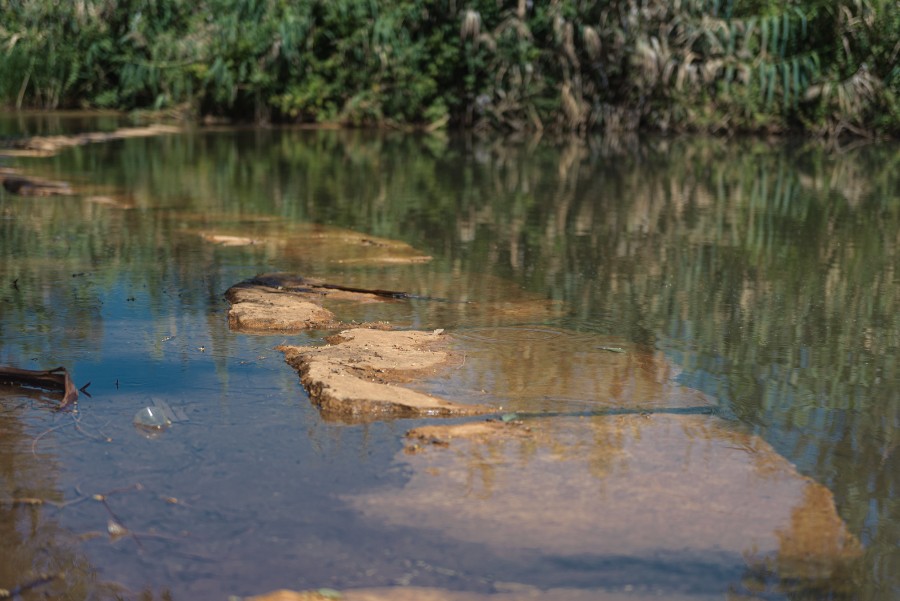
column 319, row 243
column 357, row 376
column 636, row 486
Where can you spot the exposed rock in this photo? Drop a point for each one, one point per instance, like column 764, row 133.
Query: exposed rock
column 355, row 377
column 263, row 310
column 281, row 302
column 655, row 491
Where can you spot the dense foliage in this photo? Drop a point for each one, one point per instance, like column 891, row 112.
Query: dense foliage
column 826, row 66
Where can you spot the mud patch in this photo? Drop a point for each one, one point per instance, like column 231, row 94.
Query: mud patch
column 356, row 377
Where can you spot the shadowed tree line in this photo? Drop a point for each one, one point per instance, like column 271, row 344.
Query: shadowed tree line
column 827, row 67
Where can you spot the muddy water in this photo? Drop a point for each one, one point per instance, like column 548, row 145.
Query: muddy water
column 710, row 331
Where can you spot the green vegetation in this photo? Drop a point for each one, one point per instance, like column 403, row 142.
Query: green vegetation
column 825, row 66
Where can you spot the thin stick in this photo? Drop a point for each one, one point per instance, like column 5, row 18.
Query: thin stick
column 41, row 435
column 18, row 590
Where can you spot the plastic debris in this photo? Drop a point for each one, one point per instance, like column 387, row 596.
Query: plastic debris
column 152, row 419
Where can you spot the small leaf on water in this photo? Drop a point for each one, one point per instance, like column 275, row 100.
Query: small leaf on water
column 509, row 417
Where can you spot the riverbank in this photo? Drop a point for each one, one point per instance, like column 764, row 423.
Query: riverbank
column 823, row 69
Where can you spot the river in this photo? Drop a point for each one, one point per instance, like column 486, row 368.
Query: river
column 760, row 276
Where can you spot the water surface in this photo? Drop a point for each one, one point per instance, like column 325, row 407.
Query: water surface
column 762, row 278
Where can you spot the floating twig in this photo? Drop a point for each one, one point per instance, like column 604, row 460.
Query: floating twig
column 611, row 349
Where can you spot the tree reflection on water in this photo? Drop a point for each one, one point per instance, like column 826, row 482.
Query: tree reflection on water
column 765, row 272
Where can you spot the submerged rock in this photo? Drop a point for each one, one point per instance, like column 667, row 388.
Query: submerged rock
column 318, row 243
column 226, row 240
column 356, row 377
column 656, row 493
column 540, row 369
column 43, row 146
column 443, row 435
column 517, row 592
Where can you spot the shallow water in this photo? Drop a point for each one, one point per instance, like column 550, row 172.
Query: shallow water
column 758, row 279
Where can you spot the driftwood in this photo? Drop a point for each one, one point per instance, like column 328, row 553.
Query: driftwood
column 54, row 379
column 26, row 186
column 293, row 283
